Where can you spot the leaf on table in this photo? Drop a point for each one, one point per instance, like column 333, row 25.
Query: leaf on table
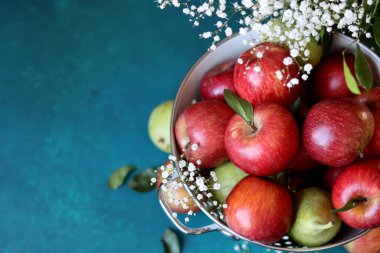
column 362, row 70
column 171, row 242
column 239, row 105
column 119, row 176
column 142, row 181
column 350, row 79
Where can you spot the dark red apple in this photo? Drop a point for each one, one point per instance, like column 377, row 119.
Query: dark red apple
column 302, row 161
column 368, row 243
column 329, row 177
column 259, row 210
column 360, row 180
column 336, row 131
column 256, row 80
column 327, row 79
column 266, row 147
column 372, row 100
column 199, row 132
column 217, row 80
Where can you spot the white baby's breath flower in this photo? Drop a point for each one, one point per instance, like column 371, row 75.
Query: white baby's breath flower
column 287, row 61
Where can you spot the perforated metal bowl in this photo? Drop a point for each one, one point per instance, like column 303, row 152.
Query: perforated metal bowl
column 190, row 89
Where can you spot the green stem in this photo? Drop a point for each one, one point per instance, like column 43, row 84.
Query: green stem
column 350, row 204
column 320, row 226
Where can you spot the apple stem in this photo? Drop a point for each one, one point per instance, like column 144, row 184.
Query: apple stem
column 254, row 128
column 350, row 204
column 320, row 226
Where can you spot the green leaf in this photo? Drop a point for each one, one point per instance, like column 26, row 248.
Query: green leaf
column 119, row 176
column 350, row 204
column 349, row 3
column 171, row 242
column 295, row 107
column 350, row 79
column 376, row 30
column 366, row 9
column 142, row 181
column 362, row 70
column 322, row 36
column 239, row 105
column 375, row 9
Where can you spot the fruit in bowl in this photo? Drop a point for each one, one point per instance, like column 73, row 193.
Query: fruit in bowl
column 262, row 138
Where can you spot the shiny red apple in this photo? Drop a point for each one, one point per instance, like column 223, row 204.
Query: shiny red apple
column 359, row 180
column 268, row 145
column 372, row 100
column 259, row 210
column 217, row 80
column 199, row 132
column 327, row 79
column 256, row 79
column 336, row 131
column 368, row 243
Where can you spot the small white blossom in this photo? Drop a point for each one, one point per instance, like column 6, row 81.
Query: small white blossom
column 228, row 31
column 240, row 61
column 308, row 67
column 199, row 196
column 287, row 61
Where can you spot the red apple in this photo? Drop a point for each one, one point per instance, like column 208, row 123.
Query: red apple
column 372, row 100
column 176, row 196
column 359, row 180
column 266, row 147
column 329, row 176
column 327, row 79
column 336, row 131
column 259, row 210
column 368, row 243
column 199, row 132
column 302, row 161
column 264, row 85
column 217, row 80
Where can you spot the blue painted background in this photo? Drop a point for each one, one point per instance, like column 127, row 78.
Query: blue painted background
column 78, row 80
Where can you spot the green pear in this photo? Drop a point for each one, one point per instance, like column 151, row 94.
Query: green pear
column 228, row 175
column 314, row 224
column 159, row 125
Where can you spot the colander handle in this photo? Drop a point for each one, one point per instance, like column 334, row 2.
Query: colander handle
column 183, row 228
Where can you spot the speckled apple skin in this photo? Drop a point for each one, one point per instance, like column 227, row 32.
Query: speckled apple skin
column 327, row 79
column 368, row 243
column 271, row 148
column 336, row 131
column 265, row 86
column 204, row 123
column 372, row 100
column 217, row 80
column 361, row 179
column 259, row 210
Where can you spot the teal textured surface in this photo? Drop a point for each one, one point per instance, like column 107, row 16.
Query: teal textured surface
column 78, row 80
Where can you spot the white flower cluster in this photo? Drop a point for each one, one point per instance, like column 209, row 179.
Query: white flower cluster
column 198, row 184
column 292, row 22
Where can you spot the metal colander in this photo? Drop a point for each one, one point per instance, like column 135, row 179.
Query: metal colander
column 230, row 49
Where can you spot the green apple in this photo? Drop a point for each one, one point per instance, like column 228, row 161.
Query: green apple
column 313, row 222
column 228, row 175
column 316, row 50
column 159, row 125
